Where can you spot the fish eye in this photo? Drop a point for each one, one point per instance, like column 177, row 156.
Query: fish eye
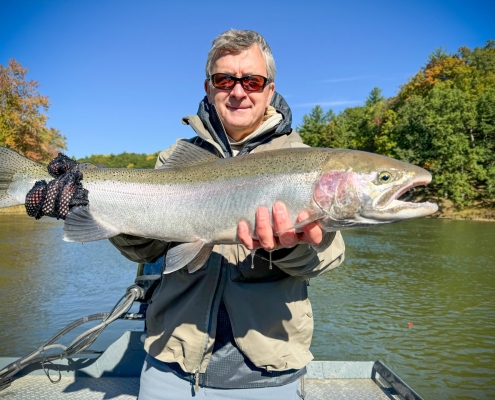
column 384, row 177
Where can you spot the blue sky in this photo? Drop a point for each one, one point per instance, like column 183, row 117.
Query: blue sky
column 120, row 74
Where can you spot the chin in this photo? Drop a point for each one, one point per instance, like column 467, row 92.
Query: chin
column 237, row 124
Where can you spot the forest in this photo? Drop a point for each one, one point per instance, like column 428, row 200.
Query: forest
column 442, row 119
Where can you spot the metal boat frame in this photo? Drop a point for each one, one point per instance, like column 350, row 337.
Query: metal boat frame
column 115, row 375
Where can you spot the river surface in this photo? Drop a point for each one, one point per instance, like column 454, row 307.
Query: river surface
column 419, row 295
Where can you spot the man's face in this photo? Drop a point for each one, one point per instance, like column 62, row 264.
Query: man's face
column 241, row 111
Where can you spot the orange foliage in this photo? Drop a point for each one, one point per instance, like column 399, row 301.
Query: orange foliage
column 452, row 70
column 22, row 124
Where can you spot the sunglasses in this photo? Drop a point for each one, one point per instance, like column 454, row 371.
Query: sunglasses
column 250, row 83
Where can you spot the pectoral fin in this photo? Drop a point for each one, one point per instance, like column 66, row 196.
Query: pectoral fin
column 313, row 216
column 179, row 256
column 81, row 226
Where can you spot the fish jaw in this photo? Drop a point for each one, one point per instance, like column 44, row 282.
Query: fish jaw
column 401, row 210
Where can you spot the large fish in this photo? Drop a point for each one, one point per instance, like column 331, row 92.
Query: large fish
column 198, row 199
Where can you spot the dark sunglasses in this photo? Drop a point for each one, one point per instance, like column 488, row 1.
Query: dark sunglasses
column 250, row 83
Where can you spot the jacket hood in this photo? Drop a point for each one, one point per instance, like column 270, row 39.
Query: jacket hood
column 209, row 116
column 279, row 103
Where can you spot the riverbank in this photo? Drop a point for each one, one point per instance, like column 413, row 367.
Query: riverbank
column 446, row 211
column 13, row 210
column 477, row 213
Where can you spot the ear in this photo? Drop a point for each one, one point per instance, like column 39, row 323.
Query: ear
column 207, row 87
column 271, row 90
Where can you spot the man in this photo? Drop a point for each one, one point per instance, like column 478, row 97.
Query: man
column 241, row 326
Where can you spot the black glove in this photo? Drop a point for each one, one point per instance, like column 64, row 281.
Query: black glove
column 56, row 198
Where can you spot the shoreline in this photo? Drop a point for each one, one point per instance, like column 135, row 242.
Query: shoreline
column 462, row 218
column 468, row 214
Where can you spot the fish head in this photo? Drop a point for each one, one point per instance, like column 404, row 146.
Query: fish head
column 361, row 189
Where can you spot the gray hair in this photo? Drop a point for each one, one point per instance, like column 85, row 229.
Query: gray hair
column 235, row 41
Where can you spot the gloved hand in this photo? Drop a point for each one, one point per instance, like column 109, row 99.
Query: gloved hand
column 57, row 197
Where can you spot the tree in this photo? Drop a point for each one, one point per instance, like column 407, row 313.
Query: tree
column 314, row 130
column 22, row 121
column 358, row 127
column 375, row 97
column 485, row 139
column 345, row 128
column 433, row 132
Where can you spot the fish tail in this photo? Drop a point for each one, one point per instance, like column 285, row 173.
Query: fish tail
column 17, row 176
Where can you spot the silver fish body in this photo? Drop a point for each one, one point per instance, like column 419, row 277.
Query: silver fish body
column 199, row 199
column 189, row 211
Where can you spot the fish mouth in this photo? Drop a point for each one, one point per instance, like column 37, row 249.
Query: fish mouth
column 409, row 187
column 388, row 206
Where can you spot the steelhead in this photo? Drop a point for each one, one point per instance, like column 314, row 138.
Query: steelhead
column 198, row 199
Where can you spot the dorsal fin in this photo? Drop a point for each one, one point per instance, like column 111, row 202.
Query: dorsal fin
column 187, row 154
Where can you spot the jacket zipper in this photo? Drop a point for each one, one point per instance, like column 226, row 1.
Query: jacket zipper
column 196, row 371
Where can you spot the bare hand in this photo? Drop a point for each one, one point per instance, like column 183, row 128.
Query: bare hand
column 311, row 234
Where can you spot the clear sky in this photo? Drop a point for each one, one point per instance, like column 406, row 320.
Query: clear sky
column 120, row 74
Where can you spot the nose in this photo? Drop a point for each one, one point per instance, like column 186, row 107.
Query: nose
column 238, row 91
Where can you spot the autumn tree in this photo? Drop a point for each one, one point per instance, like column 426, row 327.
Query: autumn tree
column 22, row 116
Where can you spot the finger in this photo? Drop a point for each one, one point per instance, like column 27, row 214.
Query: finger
column 244, row 235
column 283, row 224
column 264, row 229
column 312, row 233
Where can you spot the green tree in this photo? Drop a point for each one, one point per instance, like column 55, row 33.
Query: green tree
column 484, row 132
column 345, row 128
column 373, row 117
column 433, row 132
column 358, row 127
column 22, row 121
column 315, row 130
column 375, row 97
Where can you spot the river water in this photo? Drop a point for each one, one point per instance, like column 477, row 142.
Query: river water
column 419, row 295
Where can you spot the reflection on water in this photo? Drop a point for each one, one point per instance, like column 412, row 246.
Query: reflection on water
column 437, row 274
